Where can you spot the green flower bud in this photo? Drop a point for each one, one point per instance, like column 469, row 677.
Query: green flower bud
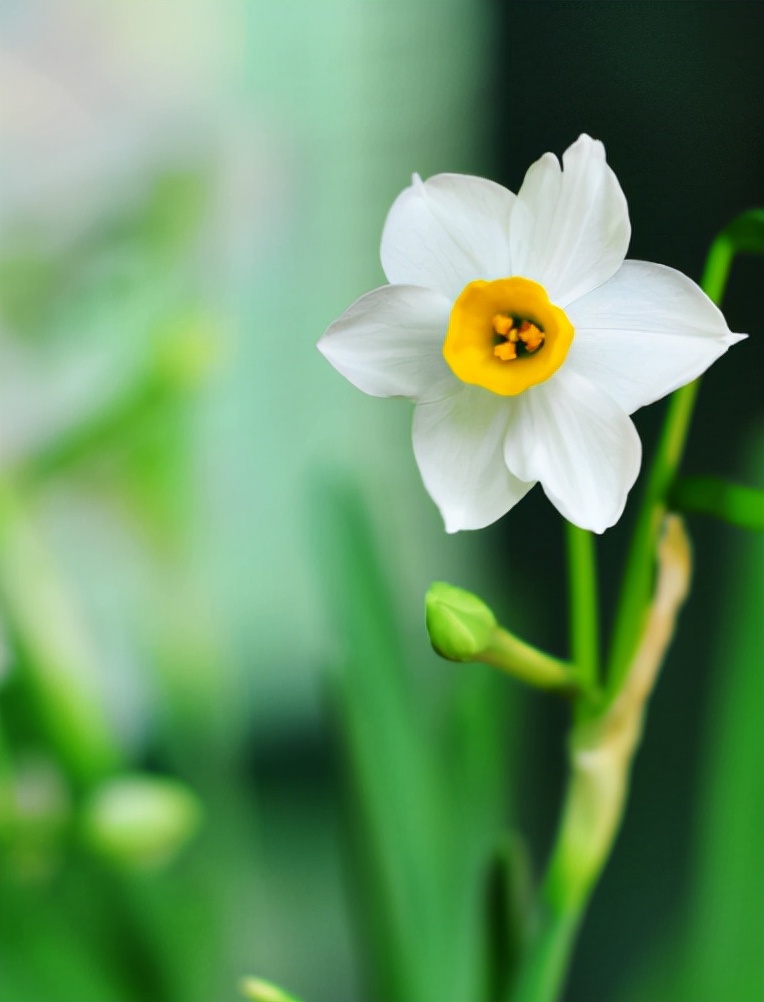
column 140, row 821
column 460, row 624
column 463, row 628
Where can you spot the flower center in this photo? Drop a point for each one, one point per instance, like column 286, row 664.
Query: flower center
column 506, row 335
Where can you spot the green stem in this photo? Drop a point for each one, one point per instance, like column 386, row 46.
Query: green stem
column 542, row 978
column 584, row 615
column 593, row 808
column 510, row 654
column 600, row 756
column 635, row 593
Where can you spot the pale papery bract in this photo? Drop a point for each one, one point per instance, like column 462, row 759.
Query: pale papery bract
column 641, row 330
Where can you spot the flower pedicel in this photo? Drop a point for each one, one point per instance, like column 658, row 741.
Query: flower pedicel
column 524, row 338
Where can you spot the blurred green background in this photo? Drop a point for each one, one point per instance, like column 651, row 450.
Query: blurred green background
column 226, row 746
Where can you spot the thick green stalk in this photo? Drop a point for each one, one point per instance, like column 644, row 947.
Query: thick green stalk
column 563, row 896
column 601, row 752
column 591, row 815
column 541, row 979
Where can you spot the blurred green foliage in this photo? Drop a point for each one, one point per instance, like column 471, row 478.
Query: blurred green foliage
column 422, row 867
column 89, row 908
column 713, row 949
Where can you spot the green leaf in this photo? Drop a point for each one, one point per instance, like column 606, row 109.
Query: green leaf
column 745, row 233
column 733, row 503
column 508, row 899
column 58, row 670
column 396, row 818
column 427, row 786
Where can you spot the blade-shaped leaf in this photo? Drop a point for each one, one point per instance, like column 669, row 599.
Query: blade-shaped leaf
column 745, row 233
column 733, row 503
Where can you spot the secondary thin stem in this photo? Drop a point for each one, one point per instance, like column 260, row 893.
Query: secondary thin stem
column 584, row 605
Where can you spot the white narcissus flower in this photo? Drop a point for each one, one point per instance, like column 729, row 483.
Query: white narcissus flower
column 525, row 338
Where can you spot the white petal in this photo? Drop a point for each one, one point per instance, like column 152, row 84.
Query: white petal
column 458, row 446
column 390, row 343
column 644, row 333
column 570, row 228
column 580, row 444
column 446, row 232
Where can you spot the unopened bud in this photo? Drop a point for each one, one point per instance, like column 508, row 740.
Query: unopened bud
column 463, row 628
column 140, row 821
column 460, row 624
column 258, row 990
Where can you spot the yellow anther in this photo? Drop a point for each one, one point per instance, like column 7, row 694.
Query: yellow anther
column 502, row 324
column 531, row 336
column 506, row 351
